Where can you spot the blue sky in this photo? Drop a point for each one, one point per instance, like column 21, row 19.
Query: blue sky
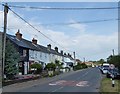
column 75, row 35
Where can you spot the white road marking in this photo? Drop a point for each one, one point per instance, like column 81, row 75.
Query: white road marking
column 57, row 89
column 82, row 83
column 58, row 82
column 70, row 83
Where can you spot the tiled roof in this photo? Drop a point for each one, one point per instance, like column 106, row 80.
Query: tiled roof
column 28, row 44
column 18, row 42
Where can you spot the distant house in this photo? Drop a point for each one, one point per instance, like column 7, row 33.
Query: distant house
column 68, row 61
column 89, row 63
column 31, row 52
column 78, row 61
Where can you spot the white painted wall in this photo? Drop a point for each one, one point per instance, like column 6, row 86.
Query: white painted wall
column 38, row 56
column 25, row 67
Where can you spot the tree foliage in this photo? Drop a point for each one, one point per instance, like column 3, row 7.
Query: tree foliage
column 38, row 67
column 11, row 60
column 51, row 66
column 58, row 64
column 80, row 66
column 114, row 60
column 101, row 61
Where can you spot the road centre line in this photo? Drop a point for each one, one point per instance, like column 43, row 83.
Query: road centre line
column 56, row 90
column 83, row 75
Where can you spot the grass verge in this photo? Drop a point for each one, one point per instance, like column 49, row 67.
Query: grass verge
column 106, row 86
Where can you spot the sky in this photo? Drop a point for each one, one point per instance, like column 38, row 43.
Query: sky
column 92, row 41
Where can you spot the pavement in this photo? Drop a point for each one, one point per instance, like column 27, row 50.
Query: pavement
column 0, row 90
column 86, row 80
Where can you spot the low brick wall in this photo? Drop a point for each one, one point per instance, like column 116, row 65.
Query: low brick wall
column 5, row 83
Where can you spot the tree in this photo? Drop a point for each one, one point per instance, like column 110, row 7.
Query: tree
column 114, row 60
column 80, row 66
column 50, row 66
column 58, row 64
column 38, row 68
column 101, row 61
column 11, row 60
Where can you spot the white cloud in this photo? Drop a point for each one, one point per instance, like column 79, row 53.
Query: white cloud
column 78, row 26
column 85, row 44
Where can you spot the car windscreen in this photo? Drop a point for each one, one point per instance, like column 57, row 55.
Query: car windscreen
column 106, row 67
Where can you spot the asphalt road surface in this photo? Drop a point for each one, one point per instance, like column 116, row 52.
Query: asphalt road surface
column 87, row 80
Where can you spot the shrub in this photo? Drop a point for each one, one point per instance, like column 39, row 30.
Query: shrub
column 38, row 68
column 84, row 65
column 80, row 66
column 50, row 66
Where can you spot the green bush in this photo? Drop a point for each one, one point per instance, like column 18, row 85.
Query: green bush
column 50, row 66
column 80, row 66
column 56, row 73
column 84, row 65
column 38, row 67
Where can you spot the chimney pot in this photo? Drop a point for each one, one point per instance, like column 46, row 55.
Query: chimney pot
column 18, row 35
column 34, row 41
column 56, row 49
column 49, row 46
column 68, row 54
column 62, row 52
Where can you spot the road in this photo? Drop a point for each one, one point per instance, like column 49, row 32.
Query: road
column 87, row 80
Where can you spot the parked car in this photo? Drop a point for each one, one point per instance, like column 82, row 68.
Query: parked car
column 114, row 72
column 105, row 68
column 100, row 68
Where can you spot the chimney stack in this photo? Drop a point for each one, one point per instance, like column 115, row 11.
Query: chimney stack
column 68, row 54
column 61, row 52
column 65, row 54
column 49, row 46
column 18, row 35
column 34, row 41
column 56, row 49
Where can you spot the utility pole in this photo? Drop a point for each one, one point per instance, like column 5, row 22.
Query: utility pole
column 74, row 58
column 113, row 52
column 84, row 59
column 4, row 36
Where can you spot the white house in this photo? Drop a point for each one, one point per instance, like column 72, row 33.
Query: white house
column 31, row 52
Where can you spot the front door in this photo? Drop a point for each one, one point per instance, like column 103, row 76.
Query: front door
column 21, row 68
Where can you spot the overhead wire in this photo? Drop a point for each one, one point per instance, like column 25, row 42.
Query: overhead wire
column 36, row 29
column 80, row 22
column 65, row 8
column 60, row 23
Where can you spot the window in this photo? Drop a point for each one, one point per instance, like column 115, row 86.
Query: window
column 24, row 53
column 35, row 54
column 40, row 54
column 31, row 54
column 45, row 55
